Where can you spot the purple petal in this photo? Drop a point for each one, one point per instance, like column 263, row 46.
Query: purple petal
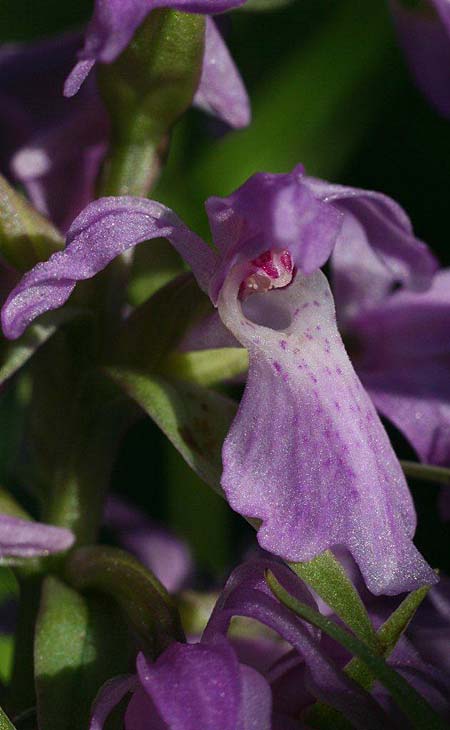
column 272, row 212
column 48, row 158
column 424, row 34
column 256, row 701
column 25, row 539
column 307, row 453
column 359, row 277
column 387, row 228
column 114, row 23
column 109, row 696
column 402, row 359
column 194, row 686
column 77, row 77
column 165, row 555
column 221, row 91
column 104, row 230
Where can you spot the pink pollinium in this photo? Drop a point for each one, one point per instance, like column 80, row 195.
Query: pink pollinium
column 270, row 270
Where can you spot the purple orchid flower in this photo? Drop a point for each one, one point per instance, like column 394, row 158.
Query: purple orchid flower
column 114, row 23
column 47, row 139
column 400, row 345
column 21, row 538
column 205, row 685
column 221, row 91
column 306, row 453
column 424, row 34
column 165, row 555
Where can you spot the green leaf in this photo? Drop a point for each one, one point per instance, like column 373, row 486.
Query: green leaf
column 207, row 367
column 327, row 577
column 143, row 599
column 412, row 704
column 145, row 91
column 426, row 472
column 195, row 419
column 5, row 722
column 80, row 643
column 26, row 237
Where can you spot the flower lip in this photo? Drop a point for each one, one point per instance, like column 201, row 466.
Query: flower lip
column 273, row 269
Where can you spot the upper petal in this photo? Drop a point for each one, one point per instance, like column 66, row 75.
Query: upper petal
column 104, row 230
column 194, row 686
column 387, row 228
column 307, row 453
column 25, row 539
column 221, row 90
column 272, row 212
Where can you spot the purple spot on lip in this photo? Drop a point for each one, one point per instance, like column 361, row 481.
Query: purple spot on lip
column 309, row 336
column 316, row 303
column 283, row 344
column 277, row 367
column 318, row 327
column 306, row 304
column 339, row 371
column 296, row 312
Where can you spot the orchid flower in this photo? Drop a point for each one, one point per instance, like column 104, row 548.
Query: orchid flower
column 205, row 685
column 424, row 33
column 306, row 454
column 159, row 550
column 21, row 538
column 47, row 139
column 400, row 346
column 113, row 24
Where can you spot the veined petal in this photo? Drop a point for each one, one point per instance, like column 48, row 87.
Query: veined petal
column 194, row 686
column 387, row 228
column 25, row 539
column 221, row 91
column 114, row 23
column 104, row 230
column 307, row 453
